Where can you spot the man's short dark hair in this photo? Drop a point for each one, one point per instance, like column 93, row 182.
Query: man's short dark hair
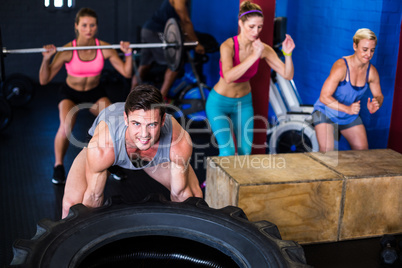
column 145, row 97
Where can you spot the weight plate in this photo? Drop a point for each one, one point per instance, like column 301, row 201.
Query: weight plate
column 18, row 90
column 173, row 35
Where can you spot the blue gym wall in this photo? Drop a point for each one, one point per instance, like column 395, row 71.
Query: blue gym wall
column 218, row 18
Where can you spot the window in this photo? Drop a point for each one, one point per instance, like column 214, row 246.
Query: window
column 59, row 4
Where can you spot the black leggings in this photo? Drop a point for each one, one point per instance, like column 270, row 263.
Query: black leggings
column 90, row 96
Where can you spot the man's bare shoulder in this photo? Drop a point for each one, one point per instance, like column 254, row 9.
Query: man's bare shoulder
column 101, row 142
column 181, row 140
column 101, row 136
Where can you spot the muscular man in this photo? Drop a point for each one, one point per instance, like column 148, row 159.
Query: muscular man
column 137, row 134
column 150, row 34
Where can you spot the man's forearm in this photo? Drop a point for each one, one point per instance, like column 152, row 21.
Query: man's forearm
column 93, row 196
column 92, row 200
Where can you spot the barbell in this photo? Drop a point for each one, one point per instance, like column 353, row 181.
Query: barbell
column 172, row 43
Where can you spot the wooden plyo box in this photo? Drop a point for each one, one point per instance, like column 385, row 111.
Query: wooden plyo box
column 313, row 197
column 372, row 197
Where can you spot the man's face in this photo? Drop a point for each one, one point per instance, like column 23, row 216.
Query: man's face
column 144, row 128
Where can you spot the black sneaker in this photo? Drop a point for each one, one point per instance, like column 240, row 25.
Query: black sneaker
column 59, row 175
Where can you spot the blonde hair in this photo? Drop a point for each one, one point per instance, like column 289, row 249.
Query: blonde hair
column 247, row 6
column 364, row 33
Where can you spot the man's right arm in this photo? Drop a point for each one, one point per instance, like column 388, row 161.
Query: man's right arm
column 100, row 156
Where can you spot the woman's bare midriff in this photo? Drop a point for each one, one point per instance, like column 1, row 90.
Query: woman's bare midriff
column 232, row 90
column 83, row 83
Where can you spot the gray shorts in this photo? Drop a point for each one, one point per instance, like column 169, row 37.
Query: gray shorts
column 319, row 118
column 149, row 55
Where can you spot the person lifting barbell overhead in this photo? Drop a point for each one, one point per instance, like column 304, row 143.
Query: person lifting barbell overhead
column 151, row 32
column 82, row 84
column 229, row 102
column 339, row 103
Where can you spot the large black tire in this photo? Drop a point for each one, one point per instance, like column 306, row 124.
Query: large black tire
column 156, row 231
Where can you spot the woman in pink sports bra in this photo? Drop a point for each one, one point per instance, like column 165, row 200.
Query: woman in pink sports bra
column 229, row 105
column 82, row 84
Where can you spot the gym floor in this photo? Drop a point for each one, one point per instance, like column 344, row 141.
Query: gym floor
column 27, row 194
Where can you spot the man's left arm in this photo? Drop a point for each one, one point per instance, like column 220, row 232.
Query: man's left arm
column 184, row 182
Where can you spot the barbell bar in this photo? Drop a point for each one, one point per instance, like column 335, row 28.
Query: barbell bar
column 115, row 46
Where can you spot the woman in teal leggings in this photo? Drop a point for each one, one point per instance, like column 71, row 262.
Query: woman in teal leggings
column 231, row 114
column 229, row 106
